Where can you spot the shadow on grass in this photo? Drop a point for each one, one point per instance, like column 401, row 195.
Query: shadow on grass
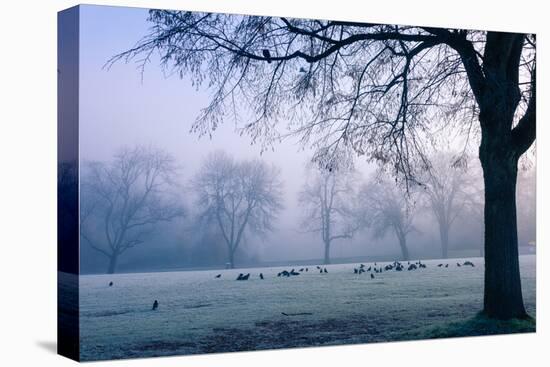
column 478, row 326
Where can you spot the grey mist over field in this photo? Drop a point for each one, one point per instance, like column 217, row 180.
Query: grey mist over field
column 123, row 107
column 260, row 182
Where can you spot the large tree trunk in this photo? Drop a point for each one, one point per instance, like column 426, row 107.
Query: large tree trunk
column 503, row 297
column 112, row 264
column 327, row 252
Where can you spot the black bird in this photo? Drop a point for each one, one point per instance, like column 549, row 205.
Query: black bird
column 267, row 55
column 326, row 270
column 240, row 277
column 110, row 284
column 355, row 271
column 361, row 270
column 469, row 263
column 292, row 272
column 457, row 264
column 440, row 265
column 218, row 276
column 285, row 273
column 446, row 265
column 318, row 267
column 320, row 271
column 369, row 269
column 302, row 269
column 245, row 277
column 155, row 305
column 362, row 265
column 261, row 276
column 371, row 275
column 278, row 274
column 307, row 269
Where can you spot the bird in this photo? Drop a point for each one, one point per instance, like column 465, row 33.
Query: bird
column 440, row 265
column 155, row 305
column 245, row 277
column 362, row 265
column 320, row 271
column 110, row 284
column 261, row 276
column 326, row 270
column 218, row 276
column 469, row 263
column 240, row 277
column 307, row 269
column 318, row 267
column 355, row 271
column 302, row 70
column 292, row 272
column 457, row 264
column 446, row 265
column 371, row 275
column 267, row 55
column 369, row 269
column 302, row 269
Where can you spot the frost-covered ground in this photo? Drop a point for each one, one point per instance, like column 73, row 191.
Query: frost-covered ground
column 200, row 314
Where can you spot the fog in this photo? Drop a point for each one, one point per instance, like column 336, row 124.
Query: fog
column 123, row 107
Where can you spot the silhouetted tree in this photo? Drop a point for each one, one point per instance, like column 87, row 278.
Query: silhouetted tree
column 376, row 89
column 386, row 207
column 327, row 199
column 122, row 200
column 237, row 196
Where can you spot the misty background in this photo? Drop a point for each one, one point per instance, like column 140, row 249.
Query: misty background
column 123, row 107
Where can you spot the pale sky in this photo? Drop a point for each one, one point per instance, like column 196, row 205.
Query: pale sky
column 117, row 108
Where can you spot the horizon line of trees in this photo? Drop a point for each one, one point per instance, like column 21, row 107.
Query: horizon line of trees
column 125, row 200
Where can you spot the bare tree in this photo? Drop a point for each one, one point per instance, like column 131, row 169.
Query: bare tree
column 124, row 199
column 386, row 207
column 376, row 89
column 448, row 191
column 328, row 203
column 238, row 197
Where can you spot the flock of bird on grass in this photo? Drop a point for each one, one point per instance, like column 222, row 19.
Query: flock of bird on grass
column 372, row 269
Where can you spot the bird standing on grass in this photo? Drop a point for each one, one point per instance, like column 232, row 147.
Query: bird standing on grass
column 261, row 276
column 218, row 276
column 155, row 305
column 110, row 284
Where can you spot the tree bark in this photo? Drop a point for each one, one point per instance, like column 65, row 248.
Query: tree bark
column 503, row 296
column 112, row 264
column 327, row 253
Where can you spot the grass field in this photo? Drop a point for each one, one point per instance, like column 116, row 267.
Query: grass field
column 199, row 313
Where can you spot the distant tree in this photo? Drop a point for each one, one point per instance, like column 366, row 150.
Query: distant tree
column 124, row 199
column 448, row 190
column 238, row 197
column 327, row 199
column 375, row 88
column 386, row 207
